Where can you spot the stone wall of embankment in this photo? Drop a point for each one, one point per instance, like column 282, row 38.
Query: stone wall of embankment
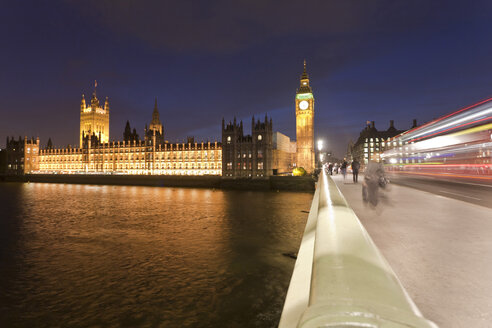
column 275, row 183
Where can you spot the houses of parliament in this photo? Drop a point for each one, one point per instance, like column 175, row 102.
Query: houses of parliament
column 261, row 154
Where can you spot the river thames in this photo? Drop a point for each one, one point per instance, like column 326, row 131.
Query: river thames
column 127, row 256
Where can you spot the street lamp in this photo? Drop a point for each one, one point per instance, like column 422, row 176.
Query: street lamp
column 320, row 147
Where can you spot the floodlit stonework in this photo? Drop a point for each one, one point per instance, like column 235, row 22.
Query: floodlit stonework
column 94, row 118
column 305, row 124
column 96, row 155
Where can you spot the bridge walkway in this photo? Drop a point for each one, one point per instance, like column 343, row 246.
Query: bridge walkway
column 439, row 247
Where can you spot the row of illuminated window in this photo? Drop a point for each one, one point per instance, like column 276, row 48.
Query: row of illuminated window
column 245, row 166
column 229, row 139
column 132, row 157
column 248, row 154
column 371, row 144
column 383, row 143
column 191, row 153
column 244, row 174
column 51, row 159
column 204, row 166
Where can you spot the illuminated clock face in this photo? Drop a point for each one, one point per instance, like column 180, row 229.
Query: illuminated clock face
column 303, row 104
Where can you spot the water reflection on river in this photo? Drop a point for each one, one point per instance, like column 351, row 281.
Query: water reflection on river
column 81, row 255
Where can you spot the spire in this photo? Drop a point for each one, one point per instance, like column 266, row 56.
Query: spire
column 155, row 115
column 304, row 87
column 304, row 75
column 127, row 134
column 106, row 104
column 82, row 103
column 49, row 145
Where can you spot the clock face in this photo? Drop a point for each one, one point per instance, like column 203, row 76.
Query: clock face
column 303, row 104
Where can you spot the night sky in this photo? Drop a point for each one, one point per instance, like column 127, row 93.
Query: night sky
column 204, row 60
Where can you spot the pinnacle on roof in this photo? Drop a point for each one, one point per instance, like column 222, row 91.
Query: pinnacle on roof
column 155, row 114
column 82, row 102
column 304, row 73
column 304, row 82
column 94, row 100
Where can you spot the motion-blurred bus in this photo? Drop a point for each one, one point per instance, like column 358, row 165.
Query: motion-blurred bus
column 457, row 145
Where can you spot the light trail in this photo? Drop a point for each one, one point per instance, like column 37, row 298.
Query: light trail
column 457, row 145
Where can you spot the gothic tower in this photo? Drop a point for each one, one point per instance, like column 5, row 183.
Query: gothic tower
column 304, row 124
column 94, row 118
column 155, row 125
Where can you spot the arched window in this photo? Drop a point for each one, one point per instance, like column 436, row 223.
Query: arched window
column 260, row 137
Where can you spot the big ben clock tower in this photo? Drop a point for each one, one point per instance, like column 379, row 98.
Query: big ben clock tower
column 304, row 124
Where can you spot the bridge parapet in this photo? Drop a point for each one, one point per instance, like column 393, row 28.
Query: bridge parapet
column 340, row 278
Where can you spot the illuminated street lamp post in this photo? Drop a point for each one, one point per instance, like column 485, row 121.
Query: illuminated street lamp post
column 320, row 147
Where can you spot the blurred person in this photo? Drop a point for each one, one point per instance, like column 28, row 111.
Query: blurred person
column 355, row 170
column 330, row 168
column 343, row 168
column 374, row 178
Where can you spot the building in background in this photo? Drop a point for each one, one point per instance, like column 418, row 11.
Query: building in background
column 284, row 154
column 371, row 142
column 134, row 157
column 21, row 156
column 3, row 161
column 155, row 127
column 96, row 155
column 255, row 156
column 94, row 119
column 328, row 158
column 247, row 155
column 129, row 135
column 305, row 124
column 348, row 156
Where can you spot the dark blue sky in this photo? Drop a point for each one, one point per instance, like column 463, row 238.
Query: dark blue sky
column 368, row 60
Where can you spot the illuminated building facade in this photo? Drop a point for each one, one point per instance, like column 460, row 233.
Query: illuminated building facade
column 284, row 154
column 155, row 126
column 96, row 155
column 372, row 143
column 247, row 156
column 22, row 155
column 238, row 155
column 134, row 157
column 94, row 118
column 304, row 124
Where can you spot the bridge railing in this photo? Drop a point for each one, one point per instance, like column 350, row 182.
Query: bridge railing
column 340, row 278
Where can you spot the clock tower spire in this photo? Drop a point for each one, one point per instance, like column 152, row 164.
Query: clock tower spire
column 304, row 123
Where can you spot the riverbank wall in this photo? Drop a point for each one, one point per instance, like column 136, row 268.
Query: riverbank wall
column 273, row 183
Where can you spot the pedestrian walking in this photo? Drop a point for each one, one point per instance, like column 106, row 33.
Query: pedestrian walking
column 344, row 168
column 374, row 179
column 355, row 170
